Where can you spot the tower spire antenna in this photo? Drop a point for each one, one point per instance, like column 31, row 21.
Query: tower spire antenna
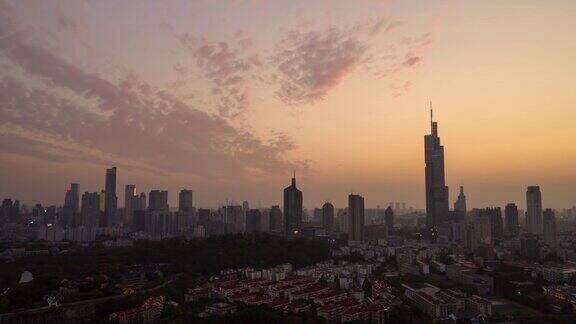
column 431, row 114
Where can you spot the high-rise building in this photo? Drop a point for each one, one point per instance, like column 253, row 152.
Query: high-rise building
column 90, row 210
column 436, row 189
column 253, row 221
column 185, row 201
column 488, row 224
column 511, row 220
column 549, row 227
column 292, row 209
column 158, row 200
column 234, row 219
column 102, row 196
column 534, row 210
column 355, row 217
column 276, row 219
column 460, row 204
column 110, row 198
column 139, row 202
column 328, row 216
column 129, row 203
column 389, row 219
column 71, row 208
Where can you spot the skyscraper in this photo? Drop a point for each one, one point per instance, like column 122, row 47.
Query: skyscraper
column 534, row 210
column 488, row 225
column 328, row 216
column 71, row 206
column 253, row 221
column 110, row 198
column 436, row 189
column 460, row 204
column 355, row 218
column 276, row 219
column 158, row 200
column 90, row 211
column 549, row 227
column 292, row 209
column 185, row 201
column 511, row 220
column 389, row 219
column 129, row 203
column 140, row 202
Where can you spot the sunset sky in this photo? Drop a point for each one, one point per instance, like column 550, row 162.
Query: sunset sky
column 227, row 98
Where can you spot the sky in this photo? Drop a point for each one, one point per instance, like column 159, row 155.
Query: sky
column 229, row 98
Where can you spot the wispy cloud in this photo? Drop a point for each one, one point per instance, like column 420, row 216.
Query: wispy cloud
column 128, row 120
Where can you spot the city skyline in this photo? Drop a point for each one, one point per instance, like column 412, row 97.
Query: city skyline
column 353, row 127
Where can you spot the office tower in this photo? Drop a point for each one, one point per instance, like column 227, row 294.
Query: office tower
column 185, row 201
column 549, row 227
column 317, row 215
column 265, row 220
column 355, row 217
column 9, row 211
column 460, row 204
column 110, row 199
column 158, row 200
column 72, row 199
column 70, row 209
column 292, row 209
column 90, row 210
column 245, row 206
column 204, row 216
column 511, row 220
column 328, row 216
column 534, row 210
column 253, row 221
column 233, row 219
column 129, row 194
column 139, row 202
column 389, row 219
column 436, row 189
column 276, row 219
column 488, row 225
column 102, row 200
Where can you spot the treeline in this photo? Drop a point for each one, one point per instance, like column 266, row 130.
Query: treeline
column 200, row 257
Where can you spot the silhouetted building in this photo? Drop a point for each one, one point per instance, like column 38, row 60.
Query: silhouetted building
column 292, row 209
column 203, row 216
column 534, row 210
column 9, row 211
column 185, row 201
column 276, row 219
column 233, row 219
column 90, row 210
column 389, row 219
column 328, row 216
column 158, row 200
column 110, row 198
column 102, row 200
column 488, row 225
column 355, row 217
column 460, row 204
column 71, row 208
column 129, row 203
column 512, row 227
column 253, row 221
column 549, row 227
column 139, row 220
column 140, row 202
column 436, row 189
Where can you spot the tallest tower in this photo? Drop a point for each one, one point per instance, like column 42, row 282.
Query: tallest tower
column 436, row 189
